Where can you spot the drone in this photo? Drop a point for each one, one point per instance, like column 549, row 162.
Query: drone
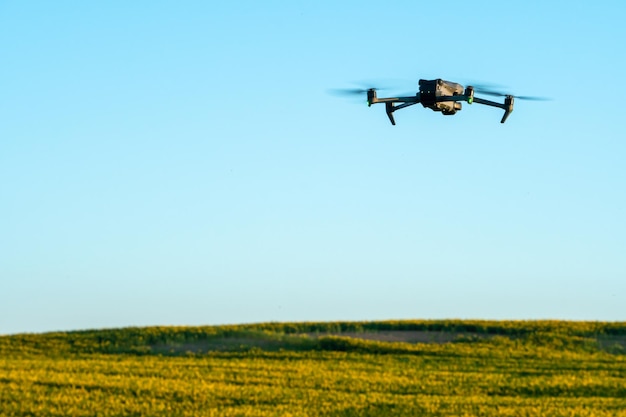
column 440, row 96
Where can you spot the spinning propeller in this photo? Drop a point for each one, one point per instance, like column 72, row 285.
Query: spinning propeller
column 495, row 93
column 354, row 91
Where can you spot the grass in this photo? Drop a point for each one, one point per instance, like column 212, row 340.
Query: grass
column 486, row 368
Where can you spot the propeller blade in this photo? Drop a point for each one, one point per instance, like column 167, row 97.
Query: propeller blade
column 533, row 98
column 484, row 86
column 489, row 92
column 348, row 91
column 501, row 94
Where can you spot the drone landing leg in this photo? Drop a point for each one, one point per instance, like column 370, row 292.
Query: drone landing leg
column 390, row 108
column 507, row 106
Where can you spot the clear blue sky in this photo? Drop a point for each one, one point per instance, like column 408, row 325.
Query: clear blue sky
column 182, row 163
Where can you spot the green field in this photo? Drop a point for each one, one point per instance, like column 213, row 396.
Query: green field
column 400, row 368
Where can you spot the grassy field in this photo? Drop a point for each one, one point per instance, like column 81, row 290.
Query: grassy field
column 401, row 368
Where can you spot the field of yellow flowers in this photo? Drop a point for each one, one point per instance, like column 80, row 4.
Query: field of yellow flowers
column 312, row 369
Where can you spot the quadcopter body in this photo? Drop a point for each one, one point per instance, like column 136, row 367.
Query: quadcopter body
column 441, row 96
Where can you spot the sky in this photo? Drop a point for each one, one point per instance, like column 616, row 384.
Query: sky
column 183, row 163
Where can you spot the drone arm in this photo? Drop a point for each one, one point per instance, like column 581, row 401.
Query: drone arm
column 507, row 106
column 407, row 100
column 404, row 104
column 390, row 103
column 488, row 102
column 390, row 108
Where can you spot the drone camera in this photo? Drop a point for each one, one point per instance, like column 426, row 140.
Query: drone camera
column 449, row 110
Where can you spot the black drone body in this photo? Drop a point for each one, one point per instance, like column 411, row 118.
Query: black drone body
column 441, row 96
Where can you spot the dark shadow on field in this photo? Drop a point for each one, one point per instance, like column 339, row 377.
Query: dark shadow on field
column 383, row 341
column 612, row 344
column 234, row 343
column 408, row 336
